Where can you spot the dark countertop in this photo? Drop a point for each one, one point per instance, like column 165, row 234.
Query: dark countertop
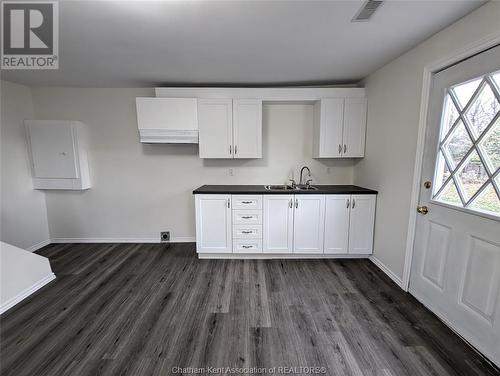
column 259, row 189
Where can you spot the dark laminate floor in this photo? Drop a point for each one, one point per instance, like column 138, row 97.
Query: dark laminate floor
column 141, row 309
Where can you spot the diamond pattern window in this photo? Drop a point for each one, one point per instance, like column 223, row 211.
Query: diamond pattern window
column 467, row 172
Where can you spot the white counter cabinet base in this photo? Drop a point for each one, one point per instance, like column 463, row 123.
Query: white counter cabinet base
column 285, row 225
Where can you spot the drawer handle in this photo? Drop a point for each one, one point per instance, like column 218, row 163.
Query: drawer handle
column 247, row 232
column 246, row 202
column 247, row 217
column 246, row 246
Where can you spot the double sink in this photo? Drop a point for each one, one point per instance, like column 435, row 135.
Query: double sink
column 285, row 187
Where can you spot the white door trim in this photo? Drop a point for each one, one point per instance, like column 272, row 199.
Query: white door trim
column 455, row 57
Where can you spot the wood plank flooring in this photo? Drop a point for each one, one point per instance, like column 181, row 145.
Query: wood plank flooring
column 142, row 309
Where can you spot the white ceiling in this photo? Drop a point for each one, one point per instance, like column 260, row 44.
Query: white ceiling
column 152, row 43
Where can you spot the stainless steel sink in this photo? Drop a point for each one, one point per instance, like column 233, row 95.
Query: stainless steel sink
column 306, row 188
column 278, row 187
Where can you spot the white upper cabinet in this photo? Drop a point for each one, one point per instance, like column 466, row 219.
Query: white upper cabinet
column 278, row 223
column 247, row 128
column 309, row 223
column 215, row 121
column 167, row 120
column 361, row 224
column 337, row 223
column 354, row 127
column 328, row 123
column 213, row 224
column 339, row 128
column 58, row 152
column 230, row 128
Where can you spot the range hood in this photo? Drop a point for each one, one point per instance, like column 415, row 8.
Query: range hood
column 167, row 120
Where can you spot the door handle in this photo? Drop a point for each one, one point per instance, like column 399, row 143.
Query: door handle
column 345, row 148
column 348, row 204
column 235, row 149
column 296, row 203
column 247, row 217
column 230, row 150
column 340, row 149
column 228, row 203
column 291, row 203
column 422, row 210
column 353, row 203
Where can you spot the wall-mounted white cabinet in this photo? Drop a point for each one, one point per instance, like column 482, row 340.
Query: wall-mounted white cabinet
column 285, row 224
column 58, row 153
column 339, row 128
column 167, row 120
column 230, row 128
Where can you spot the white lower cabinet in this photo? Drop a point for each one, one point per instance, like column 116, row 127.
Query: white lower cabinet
column 337, row 210
column 308, row 223
column 285, row 224
column 213, row 224
column 361, row 224
column 278, row 223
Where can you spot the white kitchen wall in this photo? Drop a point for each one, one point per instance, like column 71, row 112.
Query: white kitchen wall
column 23, row 209
column 139, row 190
column 394, row 98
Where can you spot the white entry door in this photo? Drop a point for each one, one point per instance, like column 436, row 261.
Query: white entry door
column 456, row 260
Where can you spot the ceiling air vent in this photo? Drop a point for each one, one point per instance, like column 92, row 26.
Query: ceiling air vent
column 367, row 10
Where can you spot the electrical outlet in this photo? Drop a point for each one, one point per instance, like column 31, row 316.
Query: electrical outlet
column 165, row 236
column 231, row 172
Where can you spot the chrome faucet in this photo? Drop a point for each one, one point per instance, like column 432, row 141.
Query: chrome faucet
column 308, row 174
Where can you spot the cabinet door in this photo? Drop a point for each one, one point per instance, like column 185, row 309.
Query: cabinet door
column 52, row 145
column 361, row 224
column 247, row 128
column 213, row 223
column 215, row 122
column 354, row 127
column 309, row 223
column 328, row 115
column 278, row 224
column 337, row 223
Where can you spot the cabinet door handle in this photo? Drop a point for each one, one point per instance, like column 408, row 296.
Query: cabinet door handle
column 247, row 217
column 246, row 202
column 246, row 232
column 290, row 204
column 340, row 149
column 296, row 203
column 228, row 203
column 348, row 203
column 353, row 203
column 345, row 148
column 235, row 149
column 246, row 246
column 230, row 150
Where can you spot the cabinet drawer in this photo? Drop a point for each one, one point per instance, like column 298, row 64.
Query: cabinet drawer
column 247, row 246
column 246, row 202
column 247, row 232
column 247, row 217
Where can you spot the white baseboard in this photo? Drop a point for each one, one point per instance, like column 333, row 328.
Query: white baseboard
column 180, row 239
column 397, row 280
column 37, row 246
column 25, row 293
column 281, row 256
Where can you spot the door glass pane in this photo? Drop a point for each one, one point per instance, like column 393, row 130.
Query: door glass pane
column 472, row 175
column 458, row 144
column 482, row 111
column 477, row 116
column 464, row 91
column 450, row 115
column 487, row 201
column 450, row 195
